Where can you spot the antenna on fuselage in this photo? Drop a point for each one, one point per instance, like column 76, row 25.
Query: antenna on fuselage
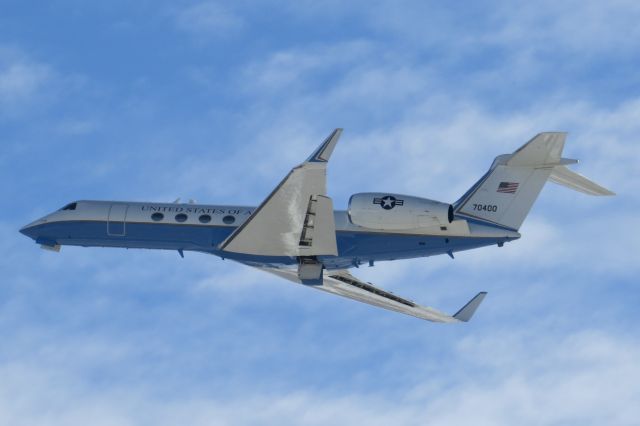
column 177, row 201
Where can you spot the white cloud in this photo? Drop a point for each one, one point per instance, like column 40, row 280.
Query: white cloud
column 586, row 378
column 578, row 26
column 286, row 69
column 537, row 26
column 77, row 127
column 201, row 341
column 209, row 19
column 22, row 81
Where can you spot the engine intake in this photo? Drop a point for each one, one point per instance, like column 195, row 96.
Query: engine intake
column 394, row 212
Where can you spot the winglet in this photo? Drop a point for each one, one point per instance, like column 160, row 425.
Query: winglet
column 469, row 309
column 324, row 151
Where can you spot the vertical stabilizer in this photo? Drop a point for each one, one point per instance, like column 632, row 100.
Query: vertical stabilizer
column 505, row 195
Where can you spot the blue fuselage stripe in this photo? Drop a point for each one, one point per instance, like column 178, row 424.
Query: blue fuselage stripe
column 353, row 246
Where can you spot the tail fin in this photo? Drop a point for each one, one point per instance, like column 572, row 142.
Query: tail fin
column 505, row 194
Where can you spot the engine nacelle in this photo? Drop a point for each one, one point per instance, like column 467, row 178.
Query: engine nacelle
column 394, row 212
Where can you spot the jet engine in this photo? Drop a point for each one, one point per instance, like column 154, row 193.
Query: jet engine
column 394, row 212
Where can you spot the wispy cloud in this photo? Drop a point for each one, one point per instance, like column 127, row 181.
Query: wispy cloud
column 209, row 19
column 428, row 94
column 290, row 68
column 576, row 26
column 585, row 378
column 22, row 81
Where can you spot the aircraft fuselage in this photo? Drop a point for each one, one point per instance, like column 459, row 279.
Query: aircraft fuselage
column 198, row 227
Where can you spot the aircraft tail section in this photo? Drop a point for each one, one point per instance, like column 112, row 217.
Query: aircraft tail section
column 505, row 194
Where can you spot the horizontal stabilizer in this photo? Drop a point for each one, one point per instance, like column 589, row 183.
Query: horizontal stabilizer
column 545, row 148
column 566, row 177
column 469, row 309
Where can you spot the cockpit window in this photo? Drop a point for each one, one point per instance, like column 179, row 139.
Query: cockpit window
column 71, row 206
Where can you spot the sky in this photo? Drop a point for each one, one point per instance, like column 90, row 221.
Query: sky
column 216, row 101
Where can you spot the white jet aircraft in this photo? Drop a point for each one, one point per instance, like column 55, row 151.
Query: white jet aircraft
column 295, row 233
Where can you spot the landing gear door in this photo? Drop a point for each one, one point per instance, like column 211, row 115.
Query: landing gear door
column 116, row 221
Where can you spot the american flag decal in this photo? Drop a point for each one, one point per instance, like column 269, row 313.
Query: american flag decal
column 508, row 187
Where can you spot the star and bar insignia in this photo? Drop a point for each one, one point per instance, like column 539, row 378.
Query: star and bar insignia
column 388, row 202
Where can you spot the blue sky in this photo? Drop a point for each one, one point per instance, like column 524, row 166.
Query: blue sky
column 154, row 100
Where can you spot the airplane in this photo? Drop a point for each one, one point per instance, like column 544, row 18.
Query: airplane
column 296, row 234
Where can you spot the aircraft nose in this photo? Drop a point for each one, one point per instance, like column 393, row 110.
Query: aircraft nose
column 29, row 229
column 26, row 230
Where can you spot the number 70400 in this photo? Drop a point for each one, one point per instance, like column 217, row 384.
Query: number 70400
column 485, row 207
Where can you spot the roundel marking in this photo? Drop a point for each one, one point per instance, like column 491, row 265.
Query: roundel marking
column 388, row 202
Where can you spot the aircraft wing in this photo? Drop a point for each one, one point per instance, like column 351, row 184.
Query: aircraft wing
column 344, row 284
column 296, row 219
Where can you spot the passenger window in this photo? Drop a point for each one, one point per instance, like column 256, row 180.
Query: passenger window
column 181, row 217
column 228, row 219
column 205, row 218
column 157, row 217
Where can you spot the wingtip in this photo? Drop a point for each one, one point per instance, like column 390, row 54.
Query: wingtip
column 466, row 312
column 324, row 151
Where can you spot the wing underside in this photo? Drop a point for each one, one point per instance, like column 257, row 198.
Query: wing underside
column 342, row 283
